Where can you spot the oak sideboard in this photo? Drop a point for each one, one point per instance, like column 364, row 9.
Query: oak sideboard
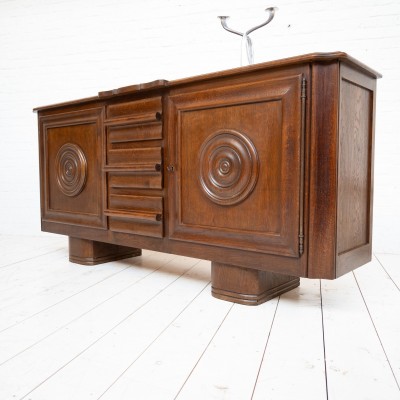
column 265, row 170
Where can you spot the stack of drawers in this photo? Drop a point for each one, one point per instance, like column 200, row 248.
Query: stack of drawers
column 134, row 167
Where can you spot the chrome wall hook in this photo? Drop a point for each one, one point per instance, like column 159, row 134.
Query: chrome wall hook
column 247, row 55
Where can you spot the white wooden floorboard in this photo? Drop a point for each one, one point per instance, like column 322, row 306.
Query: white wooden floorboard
column 29, row 332
column 96, row 369
column 14, row 249
column 293, row 366
column 59, row 280
column 391, row 264
column 382, row 298
column 63, row 280
column 125, row 330
column 229, row 366
column 31, row 274
column 357, row 367
column 22, row 374
column 162, row 370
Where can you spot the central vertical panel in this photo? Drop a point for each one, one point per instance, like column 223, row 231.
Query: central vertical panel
column 236, row 179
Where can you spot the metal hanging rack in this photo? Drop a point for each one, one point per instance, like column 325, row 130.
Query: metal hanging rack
column 247, row 55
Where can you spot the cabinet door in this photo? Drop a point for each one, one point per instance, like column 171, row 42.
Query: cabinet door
column 235, row 157
column 72, row 181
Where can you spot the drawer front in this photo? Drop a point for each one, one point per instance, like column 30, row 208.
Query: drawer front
column 133, row 163
column 123, row 134
column 138, row 158
column 140, row 215
column 136, row 203
column 135, row 226
column 134, row 180
column 140, row 110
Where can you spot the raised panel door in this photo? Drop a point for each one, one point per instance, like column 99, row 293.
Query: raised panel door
column 73, row 184
column 236, row 166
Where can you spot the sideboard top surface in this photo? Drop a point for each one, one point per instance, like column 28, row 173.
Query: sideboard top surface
column 164, row 84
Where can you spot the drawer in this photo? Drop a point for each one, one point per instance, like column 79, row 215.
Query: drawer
column 136, row 203
column 140, row 110
column 120, row 134
column 140, row 215
column 141, row 159
column 126, row 224
column 135, row 180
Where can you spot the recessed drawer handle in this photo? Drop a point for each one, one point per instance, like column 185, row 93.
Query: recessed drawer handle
column 133, row 167
column 158, row 116
column 139, row 215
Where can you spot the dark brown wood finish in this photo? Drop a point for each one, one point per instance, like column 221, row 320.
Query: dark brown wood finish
column 355, row 164
column 89, row 252
column 236, row 150
column 73, row 184
column 265, row 170
column 323, row 170
column 248, row 286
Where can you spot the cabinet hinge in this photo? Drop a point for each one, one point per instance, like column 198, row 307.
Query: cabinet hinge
column 303, row 88
column 301, row 244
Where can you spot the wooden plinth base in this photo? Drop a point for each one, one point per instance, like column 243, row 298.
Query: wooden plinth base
column 89, row 252
column 248, row 286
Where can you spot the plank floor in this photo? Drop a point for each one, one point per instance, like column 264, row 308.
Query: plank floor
column 148, row 328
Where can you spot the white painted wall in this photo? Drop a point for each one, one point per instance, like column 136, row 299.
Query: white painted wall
column 58, row 50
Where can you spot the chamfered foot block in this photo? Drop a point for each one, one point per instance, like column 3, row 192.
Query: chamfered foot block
column 248, row 286
column 90, row 252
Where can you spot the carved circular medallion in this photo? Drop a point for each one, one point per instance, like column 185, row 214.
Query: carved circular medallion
column 71, row 169
column 228, row 165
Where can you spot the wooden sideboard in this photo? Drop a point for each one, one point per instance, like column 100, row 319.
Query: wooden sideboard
column 265, row 170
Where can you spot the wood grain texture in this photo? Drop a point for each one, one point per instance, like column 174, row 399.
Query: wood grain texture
column 138, row 180
column 137, row 203
column 355, row 166
column 89, row 252
column 127, row 133
column 267, row 167
column 354, row 157
column 323, row 171
column 255, row 130
column 248, row 286
column 60, row 167
column 139, row 110
column 157, row 84
column 132, row 157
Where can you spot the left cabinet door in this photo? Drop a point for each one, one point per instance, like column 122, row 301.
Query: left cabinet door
column 71, row 176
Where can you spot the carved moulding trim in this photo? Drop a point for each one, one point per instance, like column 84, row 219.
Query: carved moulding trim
column 228, row 167
column 71, row 169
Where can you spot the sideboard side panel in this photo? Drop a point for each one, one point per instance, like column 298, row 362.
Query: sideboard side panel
column 355, row 169
column 323, row 170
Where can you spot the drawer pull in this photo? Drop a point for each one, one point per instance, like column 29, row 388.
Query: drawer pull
column 158, row 217
column 133, row 168
column 139, row 215
column 158, row 116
